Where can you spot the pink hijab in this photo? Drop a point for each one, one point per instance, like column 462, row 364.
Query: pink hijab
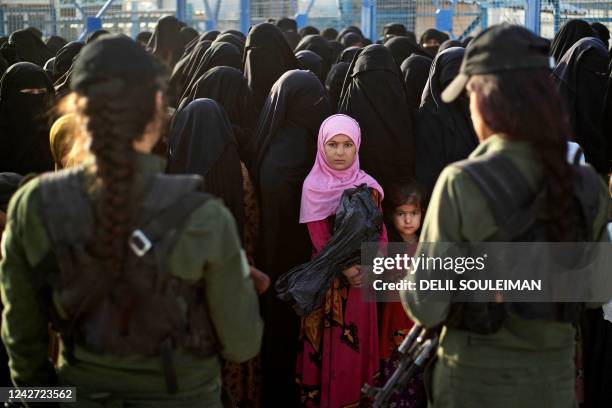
column 324, row 185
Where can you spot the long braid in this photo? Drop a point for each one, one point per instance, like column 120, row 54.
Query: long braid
column 527, row 107
column 114, row 123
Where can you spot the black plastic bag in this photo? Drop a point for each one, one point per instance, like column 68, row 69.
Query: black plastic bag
column 358, row 220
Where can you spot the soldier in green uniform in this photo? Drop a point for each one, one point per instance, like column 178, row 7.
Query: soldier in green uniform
column 142, row 274
column 517, row 114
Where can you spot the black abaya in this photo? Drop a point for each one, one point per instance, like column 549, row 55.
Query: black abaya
column 415, row 70
column 567, row 36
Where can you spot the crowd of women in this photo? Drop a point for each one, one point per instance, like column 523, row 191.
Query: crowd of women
column 280, row 123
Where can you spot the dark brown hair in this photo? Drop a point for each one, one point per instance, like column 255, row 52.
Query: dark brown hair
column 398, row 194
column 525, row 106
column 113, row 123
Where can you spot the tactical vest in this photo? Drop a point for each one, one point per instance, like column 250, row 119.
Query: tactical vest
column 516, row 209
column 143, row 311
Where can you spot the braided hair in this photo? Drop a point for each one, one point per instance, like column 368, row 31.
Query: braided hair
column 527, row 107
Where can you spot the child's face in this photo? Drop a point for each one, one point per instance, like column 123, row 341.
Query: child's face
column 407, row 220
column 340, row 152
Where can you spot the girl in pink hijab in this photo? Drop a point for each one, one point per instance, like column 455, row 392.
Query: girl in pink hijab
column 340, row 337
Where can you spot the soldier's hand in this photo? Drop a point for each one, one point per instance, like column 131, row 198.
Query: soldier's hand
column 260, row 280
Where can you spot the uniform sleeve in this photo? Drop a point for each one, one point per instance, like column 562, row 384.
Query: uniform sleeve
column 24, row 324
column 232, row 300
column 442, row 225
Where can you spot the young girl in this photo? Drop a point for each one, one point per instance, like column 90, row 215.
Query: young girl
column 404, row 209
column 340, row 337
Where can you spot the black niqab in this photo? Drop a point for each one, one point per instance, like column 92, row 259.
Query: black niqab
column 29, row 47
column 55, row 43
column 351, row 39
column 188, row 34
column 373, row 93
column 450, row 44
column 444, row 132
column 166, row 42
column 403, row 47
column 320, row 46
column 567, row 36
column 183, row 72
column 334, row 82
column 266, row 57
column 233, row 39
column 94, row 35
column 312, row 62
column 24, row 127
column 228, row 87
column 581, row 78
column 308, row 30
column 415, row 70
column 286, row 138
column 64, row 59
column 202, row 142
column 348, row 54
column 286, row 24
column 330, row 34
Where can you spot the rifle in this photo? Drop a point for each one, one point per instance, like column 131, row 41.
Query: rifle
column 415, row 352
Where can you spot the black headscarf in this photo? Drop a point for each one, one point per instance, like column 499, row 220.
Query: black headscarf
column 286, row 24
column 349, row 29
column 330, row 34
column 287, row 140
column 308, row 30
column 337, row 48
column 218, row 55
column 188, row 34
column 394, row 29
column 403, row 47
column 581, row 77
column 296, row 101
column 29, row 47
column 348, row 54
column 24, row 127
column 433, row 34
column 334, row 82
column 311, row 62
column 602, row 33
column 292, row 38
column 450, row 44
column 444, row 132
column 236, row 33
column 320, row 46
column 266, row 57
column 55, row 43
column 183, row 72
column 209, row 35
column 351, row 39
column 144, row 37
column 202, row 142
column 233, row 39
column 567, row 36
column 373, row 94
column 166, row 42
column 228, row 87
column 64, row 58
column 415, row 70
column 95, row 35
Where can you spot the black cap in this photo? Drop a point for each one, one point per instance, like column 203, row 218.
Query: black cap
column 500, row 48
column 111, row 64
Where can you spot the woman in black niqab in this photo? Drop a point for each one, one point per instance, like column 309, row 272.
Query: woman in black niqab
column 233, row 39
column 64, row 59
column 218, row 55
column 567, row 36
column 334, row 82
column 184, row 70
column 29, row 47
column 228, row 87
column 348, row 54
column 285, row 144
column 431, row 40
column 93, row 36
column 188, row 34
column 450, row 44
column 581, row 77
column 373, row 93
column 308, row 30
column 202, row 142
column 444, row 132
column 403, row 47
column 415, row 70
column 320, row 46
column 24, row 127
column 166, row 42
column 266, row 57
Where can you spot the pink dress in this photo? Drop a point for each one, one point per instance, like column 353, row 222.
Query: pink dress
column 340, row 341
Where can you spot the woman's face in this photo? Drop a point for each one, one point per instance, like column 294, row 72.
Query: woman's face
column 340, row 152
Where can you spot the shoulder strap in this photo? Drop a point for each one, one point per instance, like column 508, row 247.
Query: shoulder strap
column 67, row 213
column 507, row 192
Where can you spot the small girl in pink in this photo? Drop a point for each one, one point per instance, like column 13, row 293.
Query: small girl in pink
column 340, row 337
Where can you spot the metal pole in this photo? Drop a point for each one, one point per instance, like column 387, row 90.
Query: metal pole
column 532, row 15
column 2, row 21
column 104, row 8
column 135, row 19
column 368, row 19
column 245, row 16
column 180, row 9
column 556, row 15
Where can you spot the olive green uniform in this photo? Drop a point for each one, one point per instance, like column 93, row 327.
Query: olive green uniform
column 526, row 363
column 208, row 250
